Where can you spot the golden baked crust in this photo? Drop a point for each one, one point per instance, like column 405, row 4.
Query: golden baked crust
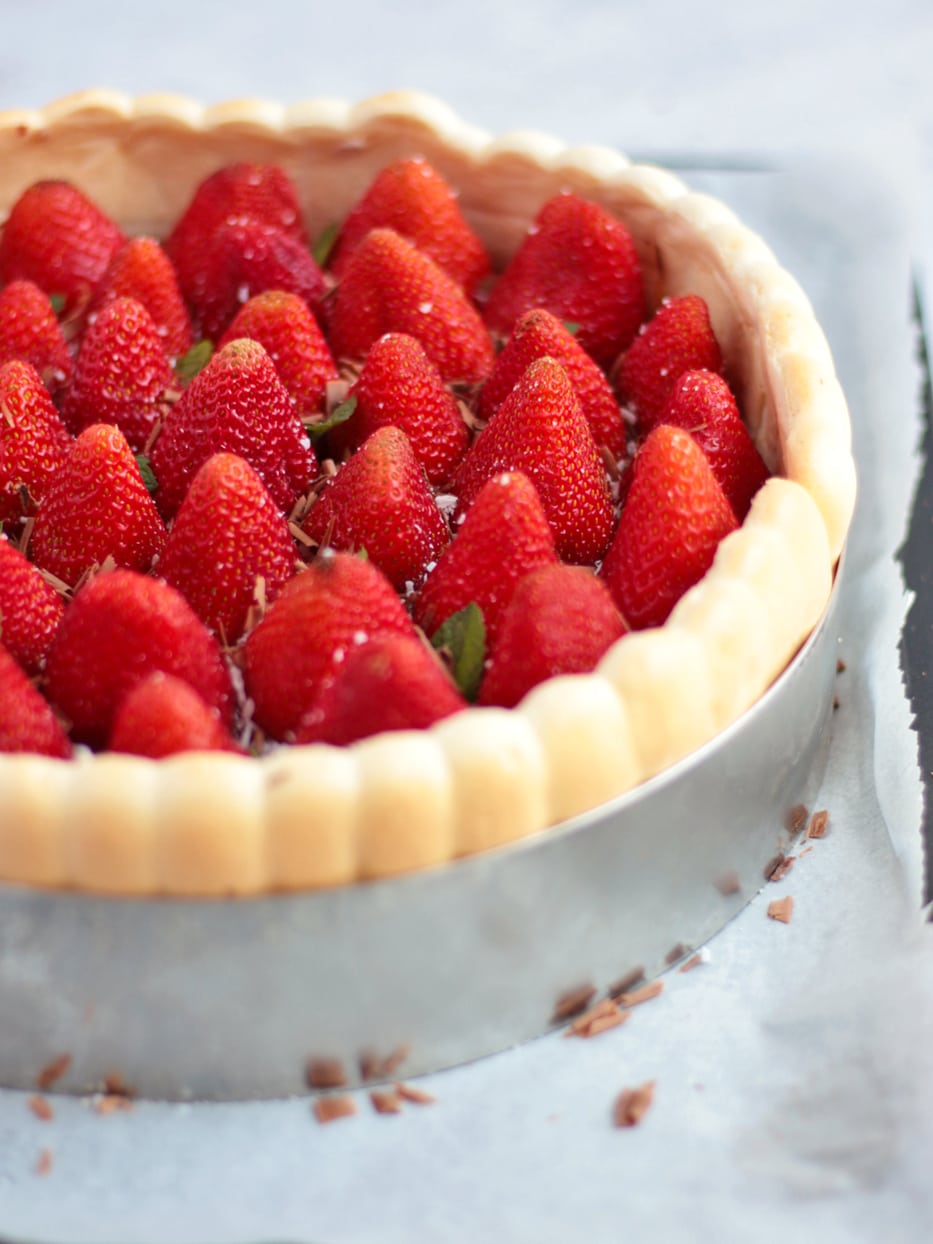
column 307, row 817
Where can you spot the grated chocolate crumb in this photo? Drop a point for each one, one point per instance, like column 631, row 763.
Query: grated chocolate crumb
column 627, row 982
column 53, row 1072
column 632, row 1104
column 420, row 1097
column 385, row 1101
column 782, row 868
column 636, row 996
column 328, row 1108
column 691, row 963
column 374, row 1066
column 322, row 1073
column 572, row 1002
column 797, row 818
column 44, row 1162
column 600, row 1018
column 818, row 825
column 781, row 909
column 41, row 1107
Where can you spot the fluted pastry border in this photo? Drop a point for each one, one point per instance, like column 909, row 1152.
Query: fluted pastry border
column 308, row 817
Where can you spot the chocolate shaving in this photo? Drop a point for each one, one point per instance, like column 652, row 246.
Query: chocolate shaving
column 818, row 825
column 53, row 1072
column 323, row 1073
column 41, row 1107
column 327, row 1109
column 675, row 953
column 781, row 909
column 632, row 1104
column 692, row 963
column 626, row 982
column 572, row 1002
column 797, row 818
column 385, row 1101
column 840, row 666
column 636, row 996
column 600, row 1018
column 420, row 1097
column 781, row 868
column 44, row 1163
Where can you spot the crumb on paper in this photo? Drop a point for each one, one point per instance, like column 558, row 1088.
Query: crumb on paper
column 600, row 1018
column 781, row 909
column 572, row 1002
column 418, row 1096
column 328, row 1109
column 632, row 1104
column 41, row 1107
column 819, row 823
column 44, row 1162
column 322, row 1073
column 635, row 997
column 52, row 1072
column 782, row 868
column 693, row 962
column 385, row 1101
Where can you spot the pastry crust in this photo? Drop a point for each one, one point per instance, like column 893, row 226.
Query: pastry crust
column 308, row 817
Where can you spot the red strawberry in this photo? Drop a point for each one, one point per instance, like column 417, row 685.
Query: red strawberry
column 236, row 404
column 30, row 609
column 561, row 619
column 56, row 237
column 29, row 330
column 380, row 503
column 33, row 440
column 27, row 723
column 391, row 287
column 504, row 536
column 393, row 682
column 284, row 326
column 339, row 602
column 122, row 374
column 400, row 385
column 163, row 715
column 703, row 404
column 540, row 429
column 262, row 192
column 227, row 535
column 539, row 334
column 412, row 198
column 142, row 270
column 119, row 628
column 678, row 338
column 580, row 263
column 244, row 258
column 674, row 516
column 96, row 507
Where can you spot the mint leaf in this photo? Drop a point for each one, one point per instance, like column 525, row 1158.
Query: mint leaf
column 58, row 302
column 195, row 360
column 572, row 327
column 321, row 250
column 147, row 473
column 463, row 635
column 316, row 428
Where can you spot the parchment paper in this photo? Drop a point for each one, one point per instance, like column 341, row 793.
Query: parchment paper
column 793, row 1070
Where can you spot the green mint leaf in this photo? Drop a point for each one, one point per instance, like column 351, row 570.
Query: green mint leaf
column 147, row 473
column 321, row 251
column 463, row 635
column 572, row 327
column 195, row 360
column 316, row 428
column 58, row 302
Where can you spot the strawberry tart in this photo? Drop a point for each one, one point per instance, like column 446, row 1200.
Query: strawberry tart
column 375, row 492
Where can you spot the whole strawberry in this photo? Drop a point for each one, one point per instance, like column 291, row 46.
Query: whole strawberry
column 164, row 715
column 30, row 331
column 34, row 442
column 393, row 682
column 242, row 258
column 702, row 403
column 503, row 537
column 539, row 334
column 118, row 629
column 97, row 507
column 580, row 263
column 262, row 192
column 339, row 602
column 540, row 429
column 27, row 723
column 412, row 198
column 58, row 238
column 561, row 620
column 229, row 546
column 674, row 516
column 380, row 503
column 30, row 609
column 400, row 385
column 122, row 374
column 237, row 404
column 141, row 269
column 679, row 337
column 391, row 287
column 283, row 324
